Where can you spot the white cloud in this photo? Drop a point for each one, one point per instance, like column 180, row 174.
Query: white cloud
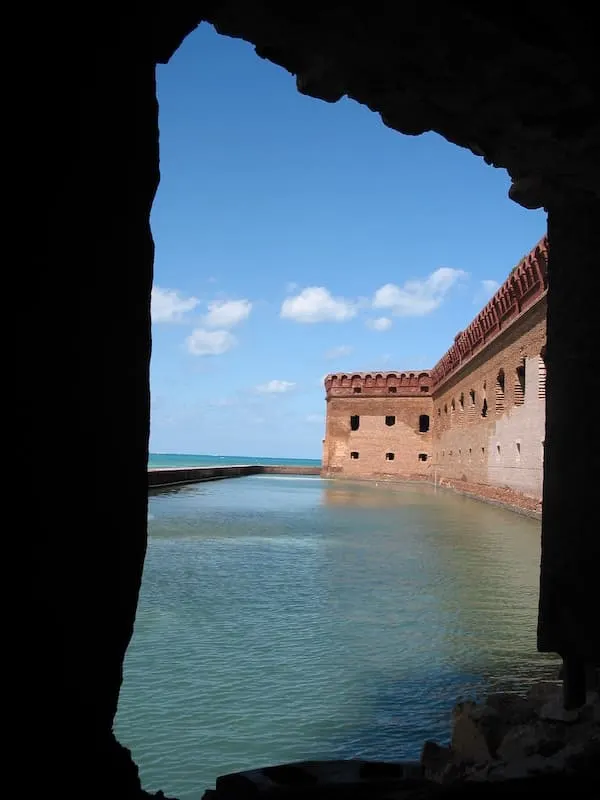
column 489, row 288
column 316, row 304
column 380, row 324
column 169, row 306
column 486, row 289
column 417, row 298
column 227, row 314
column 210, row 343
column 315, row 418
column 338, row 352
column 275, row 387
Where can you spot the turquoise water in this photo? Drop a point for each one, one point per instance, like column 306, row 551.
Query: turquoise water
column 183, row 460
column 286, row 617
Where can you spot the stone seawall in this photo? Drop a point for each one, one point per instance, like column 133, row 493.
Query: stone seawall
column 172, row 476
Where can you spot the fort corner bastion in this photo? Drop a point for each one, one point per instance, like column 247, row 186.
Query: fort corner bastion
column 475, row 421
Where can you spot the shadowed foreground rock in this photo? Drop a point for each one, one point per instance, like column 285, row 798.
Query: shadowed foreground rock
column 519, row 89
column 361, row 780
column 508, row 745
column 511, row 737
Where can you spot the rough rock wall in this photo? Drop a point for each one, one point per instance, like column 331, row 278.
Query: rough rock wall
column 570, row 585
column 90, row 175
column 520, row 91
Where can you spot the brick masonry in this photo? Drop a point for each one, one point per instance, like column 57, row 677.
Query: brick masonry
column 485, row 400
column 376, row 442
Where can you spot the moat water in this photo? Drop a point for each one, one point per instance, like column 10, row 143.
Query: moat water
column 284, row 618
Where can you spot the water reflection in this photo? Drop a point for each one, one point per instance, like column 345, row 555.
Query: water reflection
column 282, row 620
column 374, row 494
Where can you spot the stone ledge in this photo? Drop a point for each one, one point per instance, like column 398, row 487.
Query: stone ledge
column 509, row 737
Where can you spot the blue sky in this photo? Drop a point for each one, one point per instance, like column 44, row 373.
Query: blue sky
column 296, row 238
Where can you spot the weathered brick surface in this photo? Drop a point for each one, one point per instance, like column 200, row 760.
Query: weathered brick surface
column 374, row 438
column 485, row 398
column 504, row 448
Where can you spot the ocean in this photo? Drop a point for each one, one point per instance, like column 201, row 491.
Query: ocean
column 284, row 618
column 204, row 460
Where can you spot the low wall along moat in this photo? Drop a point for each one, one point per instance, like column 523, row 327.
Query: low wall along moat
column 172, row 476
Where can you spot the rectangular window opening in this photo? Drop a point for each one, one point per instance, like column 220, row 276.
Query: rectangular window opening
column 392, row 389
column 354, row 454
column 422, row 456
column 472, row 399
column 357, row 390
column 520, row 384
column 500, row 386
column 354, row 422
column 390, row 420
column 541, row 377
column 390, row 456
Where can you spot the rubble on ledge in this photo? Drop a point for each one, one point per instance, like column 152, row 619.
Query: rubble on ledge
column 509, row 736
column 505, row 747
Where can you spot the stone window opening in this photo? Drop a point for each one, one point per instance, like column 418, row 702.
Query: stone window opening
column 542, row 374
column 483, row 451
column 445, row 408
column 423, row 423
column 497, row 449
column 520, row 384
column 354, row 422
column 390, row 456
column 500, row 388
column 453, row 406
column 422, row 456
column 390, row 420
column 392, row 389
column 484, row 408
column 357, row 390
column 461, row 401
column 518, row 446
column 354, row 454
column 424, row 388
column 472, row 405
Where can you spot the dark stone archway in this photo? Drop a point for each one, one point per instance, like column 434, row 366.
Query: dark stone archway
column 522, row 93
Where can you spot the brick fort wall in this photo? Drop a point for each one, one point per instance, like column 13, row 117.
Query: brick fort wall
column 477, row 417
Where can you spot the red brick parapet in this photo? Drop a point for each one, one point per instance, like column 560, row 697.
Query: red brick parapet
column 525, row 285
column 378, row 384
